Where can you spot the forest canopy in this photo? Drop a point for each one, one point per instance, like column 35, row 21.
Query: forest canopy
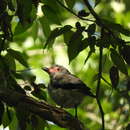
column 91, row 38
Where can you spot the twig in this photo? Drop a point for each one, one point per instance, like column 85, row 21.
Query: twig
column 92, row 11
column 106, row 81
column 69, row 10
column 108, row 84
column 100, row 72
column 98, row 88
column 127, row 41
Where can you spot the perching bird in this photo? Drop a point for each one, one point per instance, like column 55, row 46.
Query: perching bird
column 66, row 89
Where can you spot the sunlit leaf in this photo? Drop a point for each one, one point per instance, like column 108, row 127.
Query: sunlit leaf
column 21, row 29
column 45, row 26
column 14, row 124
column 89, row 54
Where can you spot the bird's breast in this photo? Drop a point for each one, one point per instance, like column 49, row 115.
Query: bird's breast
column 65, row 97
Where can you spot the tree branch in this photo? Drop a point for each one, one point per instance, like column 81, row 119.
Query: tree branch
column 42, row 109
column 69, row 10
column 99, row 20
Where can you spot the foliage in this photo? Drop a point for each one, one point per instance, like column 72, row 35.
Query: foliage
column 35, row 33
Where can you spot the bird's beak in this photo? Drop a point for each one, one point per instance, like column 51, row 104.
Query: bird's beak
column 45, row 69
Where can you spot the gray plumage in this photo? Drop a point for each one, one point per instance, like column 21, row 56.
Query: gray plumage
column 65, row 89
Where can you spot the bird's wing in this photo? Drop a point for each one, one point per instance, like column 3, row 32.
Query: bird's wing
column 73, row 82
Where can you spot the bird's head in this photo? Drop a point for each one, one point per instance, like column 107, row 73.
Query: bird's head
column 56, row 70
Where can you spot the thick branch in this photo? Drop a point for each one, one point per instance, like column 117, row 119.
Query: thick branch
column 43, row 109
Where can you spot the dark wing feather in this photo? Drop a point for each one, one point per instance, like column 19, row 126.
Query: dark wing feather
column 73, row 82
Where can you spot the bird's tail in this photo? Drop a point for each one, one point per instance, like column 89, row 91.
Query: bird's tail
column 87, row 92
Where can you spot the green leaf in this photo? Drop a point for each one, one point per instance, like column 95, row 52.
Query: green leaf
column 24, row 10
column 19, row 29
column 89, row 54
column 34, row 30
column 5, row 121
column 55, row 33
column 67, row 36
column 83, row 13
column 70, row 3
column 114, row 76
column 85, row 43
column 29, row 127
column 10, row 5
column 116, row 27
column 50, row 14
column 22, row 116
column 37, row 122
column 18, row 56
column 118, row 61
column 14, row 124
column 45, row 26
column 74, row 45
column 10, row 62
column 91, row 29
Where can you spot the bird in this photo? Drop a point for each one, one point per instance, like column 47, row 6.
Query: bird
column 65, row 89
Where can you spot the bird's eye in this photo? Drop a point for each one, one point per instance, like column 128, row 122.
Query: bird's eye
column 58, row 69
